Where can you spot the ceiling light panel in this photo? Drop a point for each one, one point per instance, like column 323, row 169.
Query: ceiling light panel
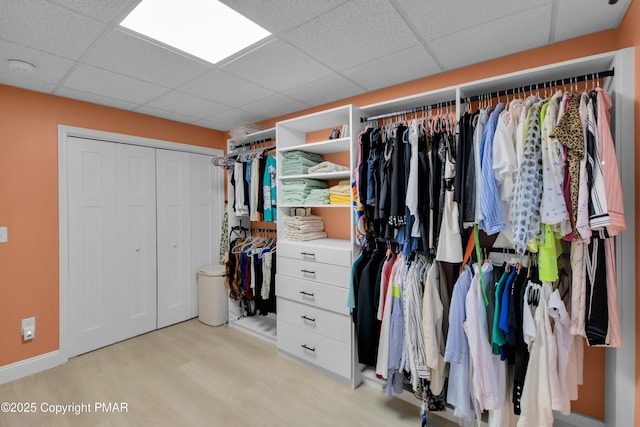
column 206, row 29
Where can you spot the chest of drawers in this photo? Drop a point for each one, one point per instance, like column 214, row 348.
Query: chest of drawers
column 312, row 286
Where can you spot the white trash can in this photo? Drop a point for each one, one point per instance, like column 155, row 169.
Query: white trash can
column 213, row 297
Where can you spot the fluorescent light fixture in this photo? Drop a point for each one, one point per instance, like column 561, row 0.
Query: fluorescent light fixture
column 207, row 29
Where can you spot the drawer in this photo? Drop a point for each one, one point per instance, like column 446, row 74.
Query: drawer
column 332, row 325
column 331, row 251
column 313, row 271
column 314, row 294
column 314, row 348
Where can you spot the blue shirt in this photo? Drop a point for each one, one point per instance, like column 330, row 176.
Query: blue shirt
column 457, row 350
column 490, row 206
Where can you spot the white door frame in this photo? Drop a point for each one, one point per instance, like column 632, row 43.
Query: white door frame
column 64, row 132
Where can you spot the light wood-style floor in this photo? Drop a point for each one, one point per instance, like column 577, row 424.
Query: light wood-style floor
column 192, row 374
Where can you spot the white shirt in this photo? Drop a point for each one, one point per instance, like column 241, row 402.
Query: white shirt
column 487, row 389
column 505, row 165
column 560, row 398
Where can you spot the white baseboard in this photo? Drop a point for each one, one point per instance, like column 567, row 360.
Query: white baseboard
column 30, row 366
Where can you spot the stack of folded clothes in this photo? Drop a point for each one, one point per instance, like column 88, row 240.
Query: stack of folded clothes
column 295, row 191
column 340, row 194
column 318, row 196
column 304, row 228
column 327, row 167
column 298, row 162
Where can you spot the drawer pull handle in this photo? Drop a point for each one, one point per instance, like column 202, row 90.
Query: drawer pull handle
column 309, row 254
column 307, row 294
column 306, row 347
column 310, row 319
column 313, row 273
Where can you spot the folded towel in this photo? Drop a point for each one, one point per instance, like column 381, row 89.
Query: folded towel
column 327, row 167
column 298, row 154
column 319, row 192
column 306, row 182
column 343, row 188
column 313, row 202
column 300, row 161
column 294, row 199
column 339, row 200
column 310, row 236
column 299, row 218
column 295, row 170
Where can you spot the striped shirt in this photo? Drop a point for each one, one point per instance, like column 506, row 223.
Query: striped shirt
column 491, row 221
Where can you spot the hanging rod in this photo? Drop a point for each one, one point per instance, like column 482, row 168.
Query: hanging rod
column 263, row 230
column 542, row 85
column 409, row 111
column 249, row 144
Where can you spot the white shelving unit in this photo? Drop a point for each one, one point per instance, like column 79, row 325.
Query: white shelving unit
column 260, row 326
column 314, row 325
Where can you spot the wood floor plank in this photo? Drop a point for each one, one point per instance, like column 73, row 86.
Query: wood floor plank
column 191, row 374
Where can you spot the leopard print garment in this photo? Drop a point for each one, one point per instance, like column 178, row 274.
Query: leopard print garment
column 570, row 134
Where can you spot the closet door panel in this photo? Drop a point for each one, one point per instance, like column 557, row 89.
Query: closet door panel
column 92, row 245
column 174, row 238
column 136, row 218
column 206, row 188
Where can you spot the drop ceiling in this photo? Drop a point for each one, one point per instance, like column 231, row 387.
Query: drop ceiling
column 319, row 51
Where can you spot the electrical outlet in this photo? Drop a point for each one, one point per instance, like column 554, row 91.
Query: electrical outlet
column 28, row 328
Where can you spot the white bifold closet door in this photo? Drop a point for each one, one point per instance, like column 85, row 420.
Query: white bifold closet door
column 188, row 230
column 112, row 243
column 175, row 290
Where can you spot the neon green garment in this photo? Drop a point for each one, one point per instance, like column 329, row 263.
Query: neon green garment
column 548, row 257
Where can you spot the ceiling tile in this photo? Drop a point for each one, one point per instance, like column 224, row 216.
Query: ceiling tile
column 187, row 105
column 353, row 34
column 49, row 68
column 502, row 37
column 444, row 17
column 277, row 66
column 18, row 80
column 127, row 54
column 228, row 119
column 281, row 15
column 95, row 99
column 275, row 106
column 579, row 17
column 46, row 26
column 225, row 88
column 103, row 10
column 100, row 82
column 327, row 89
column 169, row 115
column 415, row 63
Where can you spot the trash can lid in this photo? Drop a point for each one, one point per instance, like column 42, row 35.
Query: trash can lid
column 212, row 270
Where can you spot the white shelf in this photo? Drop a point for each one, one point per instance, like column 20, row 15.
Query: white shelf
column 322, row 147
column 334, row 117
column 256, row 136
column 261, row 326
column 320, row 176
